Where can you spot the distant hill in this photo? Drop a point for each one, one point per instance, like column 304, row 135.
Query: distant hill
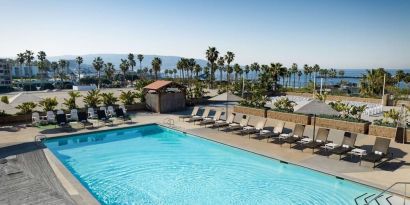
column 168, row 62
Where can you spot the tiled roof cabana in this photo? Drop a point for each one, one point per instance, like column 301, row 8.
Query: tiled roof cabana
column 164, row 96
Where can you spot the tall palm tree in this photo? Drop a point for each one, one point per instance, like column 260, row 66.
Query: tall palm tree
column 175, row 72
column 54, row 68
column 29, row 57
column 124, row 67
column 98, row 64
column 140, row 57
column 306, row 71
column 294, row 71
column 42, row 65
column 156, row 66
column 20, row 60
column 237, row 70
column 299, row 75
column 255, row 67
column 276, row 70
column 372, row 82
column 190, row 67
column 181, row 64
column 212, row 56
column 79, row 61
column 247, row 70
column 197, row 70
column 61, row 73
column 399, row 76
column 229, row 57
column 315, row 69
column 221, row 66
column 109, row 71
column 132, row 63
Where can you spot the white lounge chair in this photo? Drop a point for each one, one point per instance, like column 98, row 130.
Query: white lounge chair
column 51, row 117
column 110, row 111
column 91, row 113
column 235, row 126
column 74, row 115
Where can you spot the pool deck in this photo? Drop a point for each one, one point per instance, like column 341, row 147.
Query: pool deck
column 67, row 190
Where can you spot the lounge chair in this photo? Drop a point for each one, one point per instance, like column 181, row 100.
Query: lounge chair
column 119, row 113
column 197, row 118
column 277, row 130
column 223, row 123
column 82, row 119
column 62, row 121
column 59, row 112
column 73, row 115
column 194, row 113
column 110, row 111
column 212, row 120
column 102, row 116
column 349, row 139
column 123, row 108
column 91, row 113
column 319, row 141
column 105, row 110
column 260, row 125
column 236, row 126
column 51, row 117
column 379, row 151
column 294, row 137
column 35, row 119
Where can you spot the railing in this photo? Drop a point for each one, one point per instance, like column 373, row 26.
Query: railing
column 169, row 121
column 39, row 138
column 403, row 194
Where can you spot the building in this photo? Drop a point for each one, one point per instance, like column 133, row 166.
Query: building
column 164, row 96
column 5, row 74
column 24, row 71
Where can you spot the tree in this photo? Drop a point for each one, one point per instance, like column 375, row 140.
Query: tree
column 109, row 71
column 92, row 99
column 70, row 103
column 132, row 63
column 221, row 66
column 197, row 70
column 29, row 57
column 156, row 66
column 181, row 64
column 399, row 76
column 140, row 57
column 299, row 75
column 61, row 73
column 255, row 67
column 79, row 61
column 229, row 57
column 371, row 83
column 42, row 64
column 306, row 71
column 127, row 98
column 247, row 70
column 124, row 67
column 237, row 69
column 48, row 104
column 212, row 56
column 294, row 71
column 54, row 68
column 26, row 107
column 108, row 99
column 98, row 64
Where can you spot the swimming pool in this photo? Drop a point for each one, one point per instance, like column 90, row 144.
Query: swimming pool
column 157, row 165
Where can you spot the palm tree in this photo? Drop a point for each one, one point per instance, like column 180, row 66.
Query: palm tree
column 276, row 70
column 42, row 66
column 212, row 56
column 140, row 57
column 372, row 82
column 299, row 75
column 156, row 66
column 29, row 57
column 150, row 72
column 255, row 67
column 109, row 71
column 98, row 64
column 175, row 72
column 294, row 71
column 315, row 70
column 124, row 67
column 62, row 64
column 197, row 70
column 221, row 66
column 190, row 65
column 237, row 70
column 247, row 69
column 20, row 60
column 181, row 64
column 399, row 76
column 132, row 63
column 79, row 61
column 229, row 57
column 306, row 71
column 54, row 68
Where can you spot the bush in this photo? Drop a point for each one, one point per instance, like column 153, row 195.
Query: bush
column 26, row 107
column 48, row 104
column 70, row 103
column 284, row 105
column 4, row 99
column 108, row 99
column 92, row 99
column 127, row 98
column 381, row 122
column 348, row 119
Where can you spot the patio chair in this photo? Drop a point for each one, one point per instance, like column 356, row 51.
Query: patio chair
column 260, row 125
column 123, row 109
column 296, row 135
column 196, row 118
column 110, row 111
column 91, row 113
column 349, row 139
column 73, row 115
column 277, row 130
column 379, row 151
column 320, row 140
column 194, row 113
column 60, row 112
column 223, row 123
column 235, row 126
column 209, row 120
column 102, row 117
column 35, row 119
column 119, row 113
column 83, row 119
column 62, row 121
column 105, row 110
column 51, row 117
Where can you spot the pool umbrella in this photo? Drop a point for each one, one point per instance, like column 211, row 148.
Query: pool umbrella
column 316, row 107
column 227, row 97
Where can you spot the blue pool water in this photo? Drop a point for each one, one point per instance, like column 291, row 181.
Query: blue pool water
column 156, row 165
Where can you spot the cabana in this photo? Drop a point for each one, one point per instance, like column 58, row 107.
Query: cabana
column 164, row 96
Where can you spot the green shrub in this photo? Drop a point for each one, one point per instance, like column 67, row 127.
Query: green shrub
column 108, row 99
column 284, row 105
column 48, row 104
column 4, row 99
column 128, row 98
column 92, row 99
column 26, row 107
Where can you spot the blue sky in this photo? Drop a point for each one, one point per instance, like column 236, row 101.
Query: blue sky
column 331, row 33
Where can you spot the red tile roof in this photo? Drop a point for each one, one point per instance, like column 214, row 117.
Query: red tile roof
column 157, row 84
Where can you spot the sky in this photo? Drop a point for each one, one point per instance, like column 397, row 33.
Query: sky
column 331, row 33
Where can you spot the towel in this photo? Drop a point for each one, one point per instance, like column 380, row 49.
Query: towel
column 248, row 128
column 378, row 152
column 345, row 146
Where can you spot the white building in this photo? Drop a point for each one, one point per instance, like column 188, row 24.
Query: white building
column 24, row 71
column 5, row 74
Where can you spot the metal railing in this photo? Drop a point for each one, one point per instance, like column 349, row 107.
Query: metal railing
column 388, row 190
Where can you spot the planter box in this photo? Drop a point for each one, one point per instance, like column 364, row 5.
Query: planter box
column 383, row 131
column 289, row 117
column 15, row 119
column 135, row 107
column 357, row 127
column 250, row 111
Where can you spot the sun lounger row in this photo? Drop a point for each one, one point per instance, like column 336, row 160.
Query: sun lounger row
column 296, row 137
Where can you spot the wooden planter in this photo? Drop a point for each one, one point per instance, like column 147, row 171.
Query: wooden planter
column 383, row 131
column 15, row 119
column 250, row 111
column 289, row 117
column 357, row 127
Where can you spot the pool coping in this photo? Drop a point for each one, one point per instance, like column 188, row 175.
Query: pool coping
column 85, row 194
